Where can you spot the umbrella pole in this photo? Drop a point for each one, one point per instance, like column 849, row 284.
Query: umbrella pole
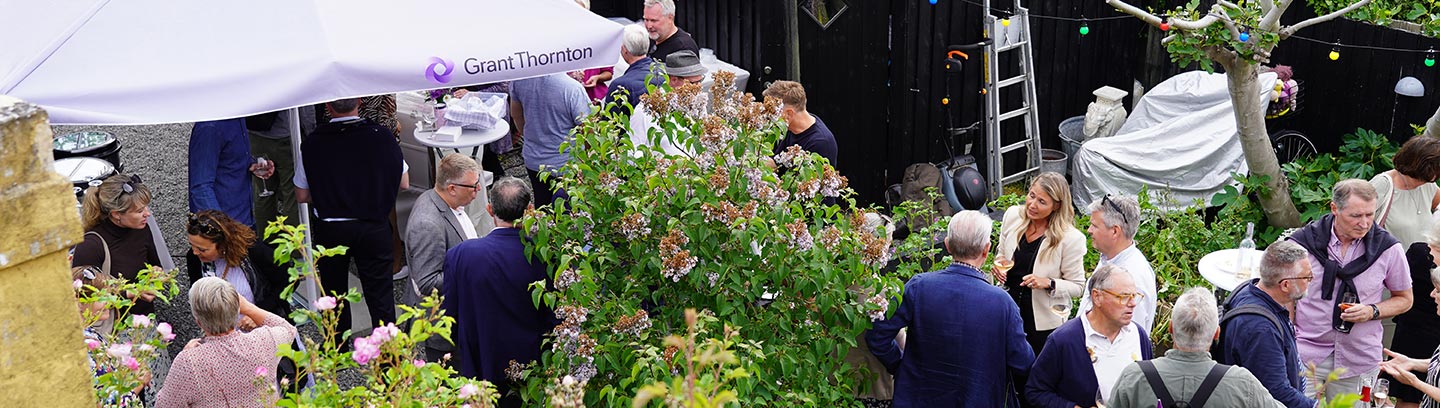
column 307, row 289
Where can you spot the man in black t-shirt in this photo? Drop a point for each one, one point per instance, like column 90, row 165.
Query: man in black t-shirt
column 665, row 37
column 802, row 127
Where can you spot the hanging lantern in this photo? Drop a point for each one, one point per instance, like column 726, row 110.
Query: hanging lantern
column 1084, row 28
column 1245, row 36
column 1334, row 53
column 1430, row 57
column 1164, row 26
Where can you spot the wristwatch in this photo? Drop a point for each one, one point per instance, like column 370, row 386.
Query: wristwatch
column 1376, row 316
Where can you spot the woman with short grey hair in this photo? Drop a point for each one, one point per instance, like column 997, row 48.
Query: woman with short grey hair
column 218, row 369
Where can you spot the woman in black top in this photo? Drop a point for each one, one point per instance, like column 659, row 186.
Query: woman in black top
column 117, row 234
column 1417, row 331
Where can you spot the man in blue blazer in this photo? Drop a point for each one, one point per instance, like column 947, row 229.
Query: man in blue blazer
column 486, row 288
column 1083, row 357
column 965, row 336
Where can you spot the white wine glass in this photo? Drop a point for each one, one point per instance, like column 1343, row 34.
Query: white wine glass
column 265, row 180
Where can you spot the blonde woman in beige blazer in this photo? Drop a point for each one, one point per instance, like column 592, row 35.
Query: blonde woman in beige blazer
column 1048, row 251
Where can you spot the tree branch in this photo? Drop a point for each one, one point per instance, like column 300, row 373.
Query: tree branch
column 1266, row 6
column 1271, row 21
column 1135, row 11
column 1226, row 58
column 1288, row 31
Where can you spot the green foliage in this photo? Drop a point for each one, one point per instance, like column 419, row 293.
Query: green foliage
column 1363, row 155
column 1426, row 13
column 393, row 376
column 125, row 351
column 647, row 235
column 1189, row 46
column 707, row 368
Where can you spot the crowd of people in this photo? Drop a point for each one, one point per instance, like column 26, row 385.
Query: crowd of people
column 960, row 336
column 1012, row 341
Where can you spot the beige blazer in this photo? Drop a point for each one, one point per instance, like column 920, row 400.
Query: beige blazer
column 1064, row 264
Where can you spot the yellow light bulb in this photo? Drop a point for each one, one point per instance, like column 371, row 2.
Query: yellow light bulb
column 1005, row 22
column 1334, row 55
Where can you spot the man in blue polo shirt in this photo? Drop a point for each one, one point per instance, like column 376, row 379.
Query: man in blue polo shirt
column 1256, row 332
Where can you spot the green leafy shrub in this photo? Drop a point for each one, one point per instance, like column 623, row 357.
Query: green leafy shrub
column 646, row 235
column 1363, row 155
column 125, row 352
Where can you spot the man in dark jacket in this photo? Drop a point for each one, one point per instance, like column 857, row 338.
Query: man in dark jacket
column 1083, row 357
column 965, row 337
column 629, row 86
column 486, row 289
column 1265, row 343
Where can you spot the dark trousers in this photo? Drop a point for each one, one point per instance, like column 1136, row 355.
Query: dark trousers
column 544, row 192
column 370, row 246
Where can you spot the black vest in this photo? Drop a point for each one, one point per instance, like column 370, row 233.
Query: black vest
column 354, row 170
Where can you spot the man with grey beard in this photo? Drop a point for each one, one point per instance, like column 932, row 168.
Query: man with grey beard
column 1255, row 330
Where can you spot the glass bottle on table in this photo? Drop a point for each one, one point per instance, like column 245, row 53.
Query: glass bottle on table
column 1244, row 266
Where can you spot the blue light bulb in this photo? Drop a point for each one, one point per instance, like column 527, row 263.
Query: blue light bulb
column 1244, row 37
column 932, row 2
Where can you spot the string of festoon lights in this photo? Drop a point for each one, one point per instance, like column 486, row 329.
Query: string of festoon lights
column 1335, row 47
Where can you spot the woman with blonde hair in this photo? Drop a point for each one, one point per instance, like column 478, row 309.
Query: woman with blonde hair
column 118, row 238
column 1047, row 252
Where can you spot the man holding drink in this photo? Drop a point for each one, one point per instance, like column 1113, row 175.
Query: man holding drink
column 1337, row 323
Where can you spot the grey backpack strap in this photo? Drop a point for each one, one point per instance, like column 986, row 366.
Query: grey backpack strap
column 1207, row 387
column 1156, row 384
column 105, row 246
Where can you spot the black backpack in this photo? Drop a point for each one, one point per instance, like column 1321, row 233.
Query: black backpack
column 1202, row 394
column 1227, row 312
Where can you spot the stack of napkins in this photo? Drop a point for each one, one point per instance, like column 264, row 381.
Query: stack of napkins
column 447, row 134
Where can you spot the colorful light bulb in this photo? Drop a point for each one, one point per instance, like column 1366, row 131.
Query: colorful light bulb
column 1245, row 37
column 932, row 2
column 1430, row 57
column 1334, row 54
column 1164, row 26
column 1084, row 29
column 1005, row 22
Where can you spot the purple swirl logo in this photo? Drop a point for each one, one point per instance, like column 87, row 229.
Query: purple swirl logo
column 439, row 77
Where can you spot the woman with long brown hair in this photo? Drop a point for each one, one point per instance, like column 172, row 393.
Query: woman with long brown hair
column 222, row 247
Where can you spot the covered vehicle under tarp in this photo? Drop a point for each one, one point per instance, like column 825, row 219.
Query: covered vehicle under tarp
column 1182, row 137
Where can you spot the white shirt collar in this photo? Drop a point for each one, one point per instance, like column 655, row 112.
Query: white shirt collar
column 342, row 119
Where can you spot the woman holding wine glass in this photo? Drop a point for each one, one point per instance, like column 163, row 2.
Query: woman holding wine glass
column 1423, row 257
column 1044, row 253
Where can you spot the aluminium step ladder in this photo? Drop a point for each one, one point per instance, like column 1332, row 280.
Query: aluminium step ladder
column 1008, row 35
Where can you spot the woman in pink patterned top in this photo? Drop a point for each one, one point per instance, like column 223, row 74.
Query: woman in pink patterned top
column 219, row 369
column 594, row 79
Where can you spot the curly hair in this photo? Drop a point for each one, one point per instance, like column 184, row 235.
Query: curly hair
column 232, row 238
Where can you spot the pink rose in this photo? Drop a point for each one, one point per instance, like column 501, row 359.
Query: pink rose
column 166, row 333
column 119, row 350
column 384, row 333
column 469, row 390
column 419, row 363
column 78, row 284
column 131, row 363
column 92, row 344
column 365, row 350
column 140, row 320
column 325, row 303
column 261, row 371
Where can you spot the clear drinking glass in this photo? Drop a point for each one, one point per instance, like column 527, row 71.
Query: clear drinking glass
column 1381, row 393
column 265, row 181
column 1001, row 265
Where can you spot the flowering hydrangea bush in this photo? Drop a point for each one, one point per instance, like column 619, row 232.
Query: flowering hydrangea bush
column 727, row 227
column 122, row 354
column 387, row 358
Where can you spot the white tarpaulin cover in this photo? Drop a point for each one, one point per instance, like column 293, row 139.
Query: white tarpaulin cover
column 111, row 62
column 1182, row 137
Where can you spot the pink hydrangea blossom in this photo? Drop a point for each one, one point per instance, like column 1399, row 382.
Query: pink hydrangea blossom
column 131, row 363
column 140, row 320
column 469, row 390
column 325, row 303
column 166, row 332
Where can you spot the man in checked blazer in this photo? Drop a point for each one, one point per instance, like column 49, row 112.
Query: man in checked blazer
column 437, row 223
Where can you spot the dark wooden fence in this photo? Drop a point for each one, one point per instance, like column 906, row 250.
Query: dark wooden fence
column 875, row 74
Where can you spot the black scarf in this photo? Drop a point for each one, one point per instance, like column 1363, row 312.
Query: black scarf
column 1315, row 238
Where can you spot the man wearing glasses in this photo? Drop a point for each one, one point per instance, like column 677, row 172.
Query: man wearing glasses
column 1337, row 324
column 439, row 221
column 1113, row 223
column 1083, row 358
column 1255, row 331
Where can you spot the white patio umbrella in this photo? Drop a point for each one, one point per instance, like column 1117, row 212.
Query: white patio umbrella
column 132, row 62
column 124, row 62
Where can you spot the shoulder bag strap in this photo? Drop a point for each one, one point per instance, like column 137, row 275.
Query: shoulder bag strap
column 1207, row 387
column 1156, row 384
column 1385, row 212
column 105, row 246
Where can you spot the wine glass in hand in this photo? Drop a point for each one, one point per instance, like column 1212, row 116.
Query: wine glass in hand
column 1000, row 267
column 265, row 170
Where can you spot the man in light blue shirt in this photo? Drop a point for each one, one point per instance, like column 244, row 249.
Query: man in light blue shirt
column 545, row 110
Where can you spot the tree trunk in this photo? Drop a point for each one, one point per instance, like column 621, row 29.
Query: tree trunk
column 1432, row 126
column 1244, row 79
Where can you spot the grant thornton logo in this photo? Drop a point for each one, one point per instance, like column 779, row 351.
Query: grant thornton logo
column 432, row 72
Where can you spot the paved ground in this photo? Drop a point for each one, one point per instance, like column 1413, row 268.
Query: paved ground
column 158, row 153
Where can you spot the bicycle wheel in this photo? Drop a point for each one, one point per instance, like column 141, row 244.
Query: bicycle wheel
column 1290, row 145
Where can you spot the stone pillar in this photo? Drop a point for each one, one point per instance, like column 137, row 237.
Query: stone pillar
column 1105, row 116
column 42, row 353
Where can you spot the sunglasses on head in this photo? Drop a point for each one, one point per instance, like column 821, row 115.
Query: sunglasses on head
column 129, row 186
column 89, row 273
column 1106, row 199
column 202, row 226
